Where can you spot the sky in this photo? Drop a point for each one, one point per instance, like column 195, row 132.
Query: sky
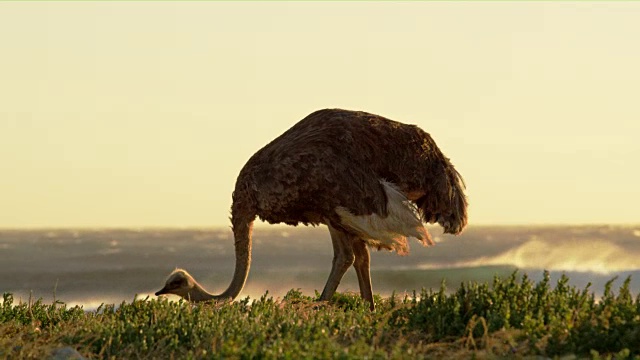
column 138, row 114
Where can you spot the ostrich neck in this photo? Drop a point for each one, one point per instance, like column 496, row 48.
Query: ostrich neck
column 198, row 293
column 242, row 233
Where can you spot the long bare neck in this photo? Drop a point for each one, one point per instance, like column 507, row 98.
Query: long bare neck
column 198, row 293
column 242, row 229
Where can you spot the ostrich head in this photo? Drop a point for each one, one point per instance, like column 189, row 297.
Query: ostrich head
column 180, row 283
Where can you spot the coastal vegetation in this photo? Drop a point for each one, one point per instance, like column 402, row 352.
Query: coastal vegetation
column 509, row 317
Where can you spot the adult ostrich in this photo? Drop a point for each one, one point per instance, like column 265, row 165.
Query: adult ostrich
column 371, row 180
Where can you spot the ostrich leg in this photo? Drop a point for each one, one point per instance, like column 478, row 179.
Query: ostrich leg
column 361, row 265
column 343, row 258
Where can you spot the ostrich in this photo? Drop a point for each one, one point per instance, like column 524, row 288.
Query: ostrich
column 372, row 181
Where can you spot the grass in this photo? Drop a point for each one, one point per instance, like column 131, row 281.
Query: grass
column 511, row 317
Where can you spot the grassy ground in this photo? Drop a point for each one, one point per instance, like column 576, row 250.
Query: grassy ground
column 511, row 317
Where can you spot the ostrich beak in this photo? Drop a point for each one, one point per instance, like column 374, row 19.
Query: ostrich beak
column 162, row 291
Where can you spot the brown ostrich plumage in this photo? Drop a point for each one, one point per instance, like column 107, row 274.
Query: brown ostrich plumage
column 371, row 180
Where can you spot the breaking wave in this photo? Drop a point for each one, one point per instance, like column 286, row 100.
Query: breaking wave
column 584, row 255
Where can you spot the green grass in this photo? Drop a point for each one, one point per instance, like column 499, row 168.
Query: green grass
column 512, row 317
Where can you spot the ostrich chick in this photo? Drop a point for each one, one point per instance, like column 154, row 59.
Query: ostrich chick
column 372, row 181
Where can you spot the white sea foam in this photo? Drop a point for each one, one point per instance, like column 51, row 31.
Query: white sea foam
column 586, row 255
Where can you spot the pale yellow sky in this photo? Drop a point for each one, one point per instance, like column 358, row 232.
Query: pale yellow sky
column 142, row 114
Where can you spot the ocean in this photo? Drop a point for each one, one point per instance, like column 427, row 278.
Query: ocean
column 89, row 267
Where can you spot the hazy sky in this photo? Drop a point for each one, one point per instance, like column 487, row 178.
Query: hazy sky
column 142, row 114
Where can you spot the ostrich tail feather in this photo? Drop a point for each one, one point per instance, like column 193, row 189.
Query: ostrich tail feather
column 391, row 231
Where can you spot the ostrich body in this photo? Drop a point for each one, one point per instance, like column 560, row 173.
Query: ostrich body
column 371, row 180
